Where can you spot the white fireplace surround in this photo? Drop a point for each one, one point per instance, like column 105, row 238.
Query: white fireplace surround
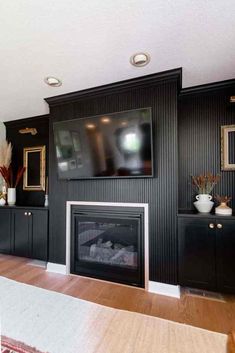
column 154, row 287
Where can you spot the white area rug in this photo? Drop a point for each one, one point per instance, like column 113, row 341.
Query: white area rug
column 57, row 323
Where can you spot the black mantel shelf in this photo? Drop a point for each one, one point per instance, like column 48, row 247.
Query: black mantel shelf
column 195, row 214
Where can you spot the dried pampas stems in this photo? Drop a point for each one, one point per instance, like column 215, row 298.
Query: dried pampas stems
column 5, row 154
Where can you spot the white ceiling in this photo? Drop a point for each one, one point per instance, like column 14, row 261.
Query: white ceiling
column 88, row 43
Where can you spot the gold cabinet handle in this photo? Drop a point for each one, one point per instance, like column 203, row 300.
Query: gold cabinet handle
column 219, row 226
column 211, row 225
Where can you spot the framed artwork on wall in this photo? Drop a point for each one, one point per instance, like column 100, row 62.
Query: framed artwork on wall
column 228, row 147
column 35, row 168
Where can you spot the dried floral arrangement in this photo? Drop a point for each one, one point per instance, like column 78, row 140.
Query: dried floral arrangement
column 223, row 199
column 5, row 154
column 7, row 175
column 204, row 184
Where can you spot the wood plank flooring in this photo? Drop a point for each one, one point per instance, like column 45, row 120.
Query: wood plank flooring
column 205, row 313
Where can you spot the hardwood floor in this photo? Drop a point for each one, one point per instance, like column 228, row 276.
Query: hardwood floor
column 205, row 313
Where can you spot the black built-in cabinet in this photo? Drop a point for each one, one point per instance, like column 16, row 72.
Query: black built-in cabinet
column 225, row 256
column 207, row 252
column 5, row 231
column 24, row 232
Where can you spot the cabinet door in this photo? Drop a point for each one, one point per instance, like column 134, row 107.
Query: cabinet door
column 197, row 253
column 225, row 249
column 39, row 229
column 5, row 231
column 21, row 233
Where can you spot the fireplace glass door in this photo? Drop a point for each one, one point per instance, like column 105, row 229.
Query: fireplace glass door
column 108, row 247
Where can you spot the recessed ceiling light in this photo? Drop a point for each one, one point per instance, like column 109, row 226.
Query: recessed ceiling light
column 52, row 81
column 140, row 59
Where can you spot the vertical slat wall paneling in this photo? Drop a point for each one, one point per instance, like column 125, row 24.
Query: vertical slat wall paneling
column 19, row 141
column 200, row 117
column 160, row 192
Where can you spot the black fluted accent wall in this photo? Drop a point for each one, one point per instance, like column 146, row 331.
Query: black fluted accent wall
column 160, row 192
column 199, row 120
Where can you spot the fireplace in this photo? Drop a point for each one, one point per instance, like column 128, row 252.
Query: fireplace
column 108, row 243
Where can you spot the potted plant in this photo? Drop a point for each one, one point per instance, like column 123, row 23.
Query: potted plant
column 204, row 184
column 11, row 185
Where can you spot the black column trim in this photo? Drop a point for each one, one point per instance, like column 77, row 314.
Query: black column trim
column 143, row 81
column 208, row 87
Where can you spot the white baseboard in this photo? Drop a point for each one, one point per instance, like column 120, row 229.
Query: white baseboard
column 38, row 263
column 164, row 289
column 57, row 268
column 153, row 287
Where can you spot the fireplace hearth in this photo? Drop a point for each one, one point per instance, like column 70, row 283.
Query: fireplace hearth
column 108, row 243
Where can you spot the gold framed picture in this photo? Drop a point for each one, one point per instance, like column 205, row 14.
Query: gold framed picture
column 228, row 147
column 35, row 168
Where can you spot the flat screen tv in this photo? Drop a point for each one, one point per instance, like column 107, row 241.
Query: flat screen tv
column 116, row 145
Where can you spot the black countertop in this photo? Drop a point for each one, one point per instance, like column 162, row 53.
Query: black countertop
column 192, row 213
column 25, row 207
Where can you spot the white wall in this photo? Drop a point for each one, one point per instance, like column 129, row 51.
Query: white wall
column 2, row 132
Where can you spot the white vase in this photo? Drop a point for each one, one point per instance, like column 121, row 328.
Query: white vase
column 223, row 210
column 203, row 203
column 2, row 202
column 46, row 203
column 11, row 196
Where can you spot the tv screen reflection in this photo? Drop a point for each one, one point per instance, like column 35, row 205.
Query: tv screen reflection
column 104, row 146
